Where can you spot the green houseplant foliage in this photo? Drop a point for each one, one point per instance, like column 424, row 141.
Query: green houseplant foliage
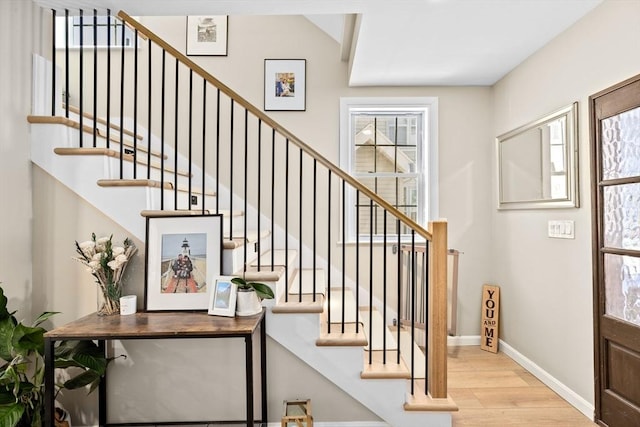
column 263, row 291
column 22, row 367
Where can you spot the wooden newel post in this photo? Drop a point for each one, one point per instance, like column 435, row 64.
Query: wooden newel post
column 437, row 322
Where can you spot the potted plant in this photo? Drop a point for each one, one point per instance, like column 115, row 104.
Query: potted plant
column 249, row 296
column 22, row 370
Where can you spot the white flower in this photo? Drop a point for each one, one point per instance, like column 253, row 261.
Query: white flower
column 88, row 247
column 97, row 257
column 117, row 250
column 102, row 241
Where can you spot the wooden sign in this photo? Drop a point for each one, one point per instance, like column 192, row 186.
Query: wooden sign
column 490, row 318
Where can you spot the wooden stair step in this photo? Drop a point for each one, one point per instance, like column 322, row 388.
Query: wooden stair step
column 100, row 120
column 306, row 277
column 185, row 212
column 382, row 337
column 150, row 183
column 339, row 338
column 300, row 304
column 379, row 368
column 265, row 274
column 98, row 151
column 238, row 241
column 421, row 401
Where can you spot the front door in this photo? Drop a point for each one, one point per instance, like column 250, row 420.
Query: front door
column 615, row 126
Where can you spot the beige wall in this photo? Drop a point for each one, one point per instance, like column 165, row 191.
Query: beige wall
column 547, row 312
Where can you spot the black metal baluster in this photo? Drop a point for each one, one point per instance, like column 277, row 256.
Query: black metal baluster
column 53, row 62
column 286, row 222
column 80, row 79
column 400, row 284
column 246, row 167
column 122, row 105
column 217, row 151
column 175, row 139
column 344, row 244
column 135, row 105
column 384, row 287
column 273, row 195
column 190, row 140
column 370, row 281
column 66, row 64
column 149, row 109
column 300, row 233
column 357, row 260
column 329, row 252
column 164, row 73
column 108, row 130
column 231, row 176
column 413, row 306
column 315, row 189
column 95, row 77
column 258, row 246
column 204, row 145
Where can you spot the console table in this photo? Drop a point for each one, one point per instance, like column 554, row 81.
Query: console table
column 160, row 325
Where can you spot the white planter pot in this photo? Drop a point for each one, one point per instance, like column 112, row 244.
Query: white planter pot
column 247, row 303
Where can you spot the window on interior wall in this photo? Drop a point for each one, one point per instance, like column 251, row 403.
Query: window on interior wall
column 389, row 145
column 108, row 30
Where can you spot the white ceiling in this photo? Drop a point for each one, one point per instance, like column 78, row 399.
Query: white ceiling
column 402, row 42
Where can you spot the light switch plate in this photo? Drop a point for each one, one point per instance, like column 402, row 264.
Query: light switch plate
column 561, row 229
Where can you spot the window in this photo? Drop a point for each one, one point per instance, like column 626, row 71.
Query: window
column 107, row 29
column 389, row 145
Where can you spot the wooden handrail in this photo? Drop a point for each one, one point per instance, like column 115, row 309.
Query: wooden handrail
column 150, row 35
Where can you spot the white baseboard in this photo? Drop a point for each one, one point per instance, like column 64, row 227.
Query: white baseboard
column 561, row 389
column 463, row 340
column 343, row 424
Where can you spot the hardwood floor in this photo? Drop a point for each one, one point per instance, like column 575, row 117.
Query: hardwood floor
column 493, row 390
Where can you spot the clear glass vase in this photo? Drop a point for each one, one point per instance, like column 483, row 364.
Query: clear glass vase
column 106, row 306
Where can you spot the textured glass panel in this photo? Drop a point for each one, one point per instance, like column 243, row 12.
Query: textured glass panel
column 621, row 145
column 622, row 287
column 622, row 216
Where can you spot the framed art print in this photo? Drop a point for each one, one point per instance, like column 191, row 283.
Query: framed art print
column 285, row 84
column 183, row 258
column 222, row 301
column 207, row 35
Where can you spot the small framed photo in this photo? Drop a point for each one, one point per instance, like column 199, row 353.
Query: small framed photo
column 285, row 84
column 222, row 301
column 183, row 258
column 207, row 35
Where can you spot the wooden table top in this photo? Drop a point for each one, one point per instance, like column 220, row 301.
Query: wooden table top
column 175, row 324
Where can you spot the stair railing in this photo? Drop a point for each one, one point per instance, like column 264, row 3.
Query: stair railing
column 223, row 137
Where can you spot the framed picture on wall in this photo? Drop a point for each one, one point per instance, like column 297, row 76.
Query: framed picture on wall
column 183, row 259
column 285, row 84
column 207, row 35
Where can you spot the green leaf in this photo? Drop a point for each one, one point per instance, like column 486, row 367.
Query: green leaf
column 81, row 380
column 11, row 414
column 6, row 334
column 240, row 282
column 4, row 313
column 6, row 397
column 26, row 338
column 96, row 364
column 263, row 291
column 44, row 316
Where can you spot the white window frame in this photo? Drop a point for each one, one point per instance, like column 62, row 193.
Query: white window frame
column 428, row 181
column 88, row 21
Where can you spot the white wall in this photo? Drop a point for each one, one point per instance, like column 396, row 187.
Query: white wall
column 546, row 284
column 19, row 34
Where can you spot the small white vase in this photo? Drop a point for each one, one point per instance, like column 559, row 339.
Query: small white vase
column 247, row 303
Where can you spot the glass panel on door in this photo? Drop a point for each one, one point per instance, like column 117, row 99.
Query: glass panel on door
column 621, row 145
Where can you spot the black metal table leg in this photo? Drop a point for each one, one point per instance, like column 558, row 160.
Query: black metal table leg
column 49, row 392
column 263, row 369
column 249, row 383
column 102, row 391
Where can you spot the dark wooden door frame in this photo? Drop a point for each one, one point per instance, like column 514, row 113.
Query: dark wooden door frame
column 606, row 109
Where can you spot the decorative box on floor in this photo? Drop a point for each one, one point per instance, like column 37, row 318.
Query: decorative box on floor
column 297, row 413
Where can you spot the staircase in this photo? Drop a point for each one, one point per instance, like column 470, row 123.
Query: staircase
column 207, row 150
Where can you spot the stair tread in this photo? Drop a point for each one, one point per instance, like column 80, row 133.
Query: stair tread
column 379, row 368
column 294, row 305
column 101, row 151
column 149, row 183
column 239, row 241
column 306, row 276
column 185, row 212
column 100, row 120
column 421, row 401
column 263, row 275
column 338, row 338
